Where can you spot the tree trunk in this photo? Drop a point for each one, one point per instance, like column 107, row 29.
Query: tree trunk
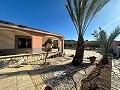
column 105, row 60
column 46, row 56
column 78, row 58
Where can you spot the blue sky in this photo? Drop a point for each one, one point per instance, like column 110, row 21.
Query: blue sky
column 51, row 15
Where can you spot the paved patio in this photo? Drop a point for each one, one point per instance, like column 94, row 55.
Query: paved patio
column 33, row 76
column 115, row 79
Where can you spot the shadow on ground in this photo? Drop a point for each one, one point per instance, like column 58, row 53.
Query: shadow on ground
column 47, row 69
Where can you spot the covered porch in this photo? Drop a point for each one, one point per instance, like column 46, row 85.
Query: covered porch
column 25, row 41
column 14, row 42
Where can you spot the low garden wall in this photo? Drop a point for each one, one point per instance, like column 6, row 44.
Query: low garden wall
column 20, row 59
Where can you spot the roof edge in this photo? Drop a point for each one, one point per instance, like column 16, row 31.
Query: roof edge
column 17, row 26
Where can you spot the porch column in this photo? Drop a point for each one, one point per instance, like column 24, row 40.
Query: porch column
column 36, row 44
column 61, row 45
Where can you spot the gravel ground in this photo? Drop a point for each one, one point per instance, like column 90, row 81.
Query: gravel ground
column 59, row 73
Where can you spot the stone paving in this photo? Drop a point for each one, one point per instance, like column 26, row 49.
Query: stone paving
column 115, row 79
column 16, row 79
column 8, row 83
column 59, row 81
column 33, row 76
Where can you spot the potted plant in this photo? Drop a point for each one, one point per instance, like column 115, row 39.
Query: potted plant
column 92, row 59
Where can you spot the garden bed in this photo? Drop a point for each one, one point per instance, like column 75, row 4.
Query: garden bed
column 99, row 78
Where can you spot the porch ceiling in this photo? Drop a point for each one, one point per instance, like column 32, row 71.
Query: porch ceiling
column 16, row 32
column 46, row 37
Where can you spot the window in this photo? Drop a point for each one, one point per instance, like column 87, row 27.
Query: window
column 29, row 43
column 24, row 43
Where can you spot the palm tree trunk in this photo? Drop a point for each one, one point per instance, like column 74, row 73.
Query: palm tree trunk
column 78, row 58
column 46, row 57
column 105, row 60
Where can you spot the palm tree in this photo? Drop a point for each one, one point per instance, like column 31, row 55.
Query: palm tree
column 106, row 41
column 82, row 12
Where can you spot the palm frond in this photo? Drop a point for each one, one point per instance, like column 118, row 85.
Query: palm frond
column 83, row 11
column 89, row 12
column 96, row 35
column 71, row 13
column 113, row 35
column 105, row 40
column 95, row 6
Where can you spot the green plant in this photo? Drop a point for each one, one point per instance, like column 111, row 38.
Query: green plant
column 106, row 41
column 82, row 12
column 49, row 40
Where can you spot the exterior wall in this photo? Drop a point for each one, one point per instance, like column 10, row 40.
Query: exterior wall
column 116, row 48
column 7, row 39
column 36, row 44
column 118, row 52
column 114, row 45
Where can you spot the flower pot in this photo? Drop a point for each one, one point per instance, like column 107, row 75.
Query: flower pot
column 92, row 59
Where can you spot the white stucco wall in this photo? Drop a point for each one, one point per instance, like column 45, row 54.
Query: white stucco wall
column 7, row 39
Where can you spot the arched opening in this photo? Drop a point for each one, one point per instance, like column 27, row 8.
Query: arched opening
column 58, row 43
column 54, row 41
